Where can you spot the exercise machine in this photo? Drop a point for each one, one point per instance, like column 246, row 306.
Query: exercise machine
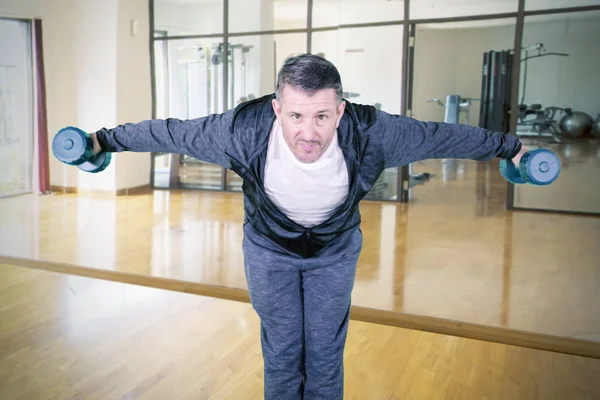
column 455, row 105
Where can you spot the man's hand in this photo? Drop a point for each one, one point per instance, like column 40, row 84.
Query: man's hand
column 97, row 148
column 516, row 159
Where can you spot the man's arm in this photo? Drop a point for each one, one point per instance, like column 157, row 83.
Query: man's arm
column 203, row 138
column 406, row 140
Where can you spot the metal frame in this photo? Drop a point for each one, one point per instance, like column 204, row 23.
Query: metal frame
column 409, row 25
column 152, row 82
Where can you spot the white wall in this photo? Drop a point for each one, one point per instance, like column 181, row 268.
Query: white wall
column 96, row 76
column 134, row 93
column 95, row 45
column 188, row 19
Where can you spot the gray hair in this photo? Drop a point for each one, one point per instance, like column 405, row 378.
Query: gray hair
column 309, row 73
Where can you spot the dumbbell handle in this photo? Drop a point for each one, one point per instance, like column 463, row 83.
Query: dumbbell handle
column 96, row 147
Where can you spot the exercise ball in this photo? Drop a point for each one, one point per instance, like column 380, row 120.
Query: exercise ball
column 576, row 123
column 596, row 128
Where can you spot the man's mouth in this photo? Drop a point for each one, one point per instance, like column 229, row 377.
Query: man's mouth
column 308, row 146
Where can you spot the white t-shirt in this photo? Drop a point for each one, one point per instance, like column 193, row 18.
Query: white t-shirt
column 306, row 193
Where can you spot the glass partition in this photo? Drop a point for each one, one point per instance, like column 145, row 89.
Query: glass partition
column 450, row 85
column 191, row 81
column 355, row 52
column 253, row 72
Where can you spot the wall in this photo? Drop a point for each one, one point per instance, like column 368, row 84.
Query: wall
column 88, row 55
column 95, row 47
column 182, row 19
column 134, row 91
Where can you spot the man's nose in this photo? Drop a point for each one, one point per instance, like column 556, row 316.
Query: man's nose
column 309, row 129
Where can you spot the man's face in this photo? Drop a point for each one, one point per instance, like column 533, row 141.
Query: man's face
column 308, row 122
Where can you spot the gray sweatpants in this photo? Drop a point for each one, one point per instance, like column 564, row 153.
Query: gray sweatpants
column 304, row 308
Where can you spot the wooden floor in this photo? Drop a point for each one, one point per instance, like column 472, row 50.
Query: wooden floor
column 453, row 253
column 70, row 337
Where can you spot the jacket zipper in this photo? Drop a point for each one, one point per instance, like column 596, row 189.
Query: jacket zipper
column 364, row 150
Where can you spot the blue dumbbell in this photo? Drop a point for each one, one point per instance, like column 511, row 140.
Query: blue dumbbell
column 537, row 167
column 73, row 146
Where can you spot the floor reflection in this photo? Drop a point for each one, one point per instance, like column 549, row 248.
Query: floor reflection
column 453, row 252
column 576, row 189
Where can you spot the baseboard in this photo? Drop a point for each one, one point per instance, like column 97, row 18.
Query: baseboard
column 63, row 189
column 143, row 189
column 103, row 194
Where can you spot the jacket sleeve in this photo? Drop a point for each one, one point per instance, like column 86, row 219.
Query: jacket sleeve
column 204, row 138
column 406, row 140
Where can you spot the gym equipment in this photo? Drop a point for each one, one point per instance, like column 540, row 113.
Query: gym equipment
column 538, row 167
column 539, row 47
column 203, row 77
column 596, row 127
column 544, row 122
column 576, row 123
column 73, row 146
column 494, row 111
column 454, row 106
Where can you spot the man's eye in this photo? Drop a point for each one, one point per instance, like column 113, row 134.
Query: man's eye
column 322, row 117
column 295, row 116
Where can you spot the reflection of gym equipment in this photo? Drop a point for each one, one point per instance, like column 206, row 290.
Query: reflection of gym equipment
column 576, row 123
column 539, row 47
column 454, row 106
column 596, row 127
column 538, row 167
column 534, row 119
column 572, row 124
column 495, row 91
column 204, row 75
column 543, row 121
column 73, row 146
column 238, row 62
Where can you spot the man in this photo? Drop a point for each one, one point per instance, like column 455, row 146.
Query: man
column 307, row 157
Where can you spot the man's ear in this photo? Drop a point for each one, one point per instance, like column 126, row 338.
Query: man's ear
column 340, row 113
column 277, row 109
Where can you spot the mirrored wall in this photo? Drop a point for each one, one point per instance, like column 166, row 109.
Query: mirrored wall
column 559, row 109
column 195, row 75
column 415, row 66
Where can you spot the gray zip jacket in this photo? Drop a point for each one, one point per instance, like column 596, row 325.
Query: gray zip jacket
column 371, row 140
